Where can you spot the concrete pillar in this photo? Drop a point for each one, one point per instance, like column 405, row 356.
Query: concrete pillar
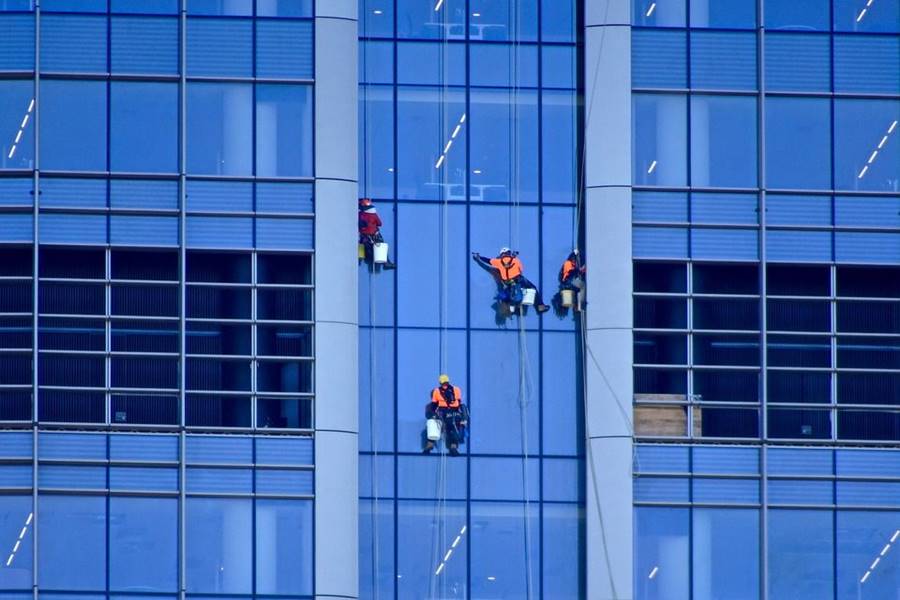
column 336, row 413
column 607, row 222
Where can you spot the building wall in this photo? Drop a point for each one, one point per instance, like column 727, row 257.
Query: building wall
column 466, row 148
column 157, row 311
column 765, row 169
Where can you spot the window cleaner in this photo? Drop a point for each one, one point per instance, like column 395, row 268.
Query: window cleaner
column 515, row 288
column 572, row 277
column 446, row 414
column 372, row 247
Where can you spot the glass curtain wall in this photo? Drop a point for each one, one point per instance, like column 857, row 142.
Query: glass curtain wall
column 156, row 219
column 766, row 170
column 469, row 113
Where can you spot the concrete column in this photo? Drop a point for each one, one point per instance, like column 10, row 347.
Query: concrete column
column 607, row 222
column 336, row 413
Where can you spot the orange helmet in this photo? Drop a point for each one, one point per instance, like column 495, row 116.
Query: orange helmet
column 365, row 203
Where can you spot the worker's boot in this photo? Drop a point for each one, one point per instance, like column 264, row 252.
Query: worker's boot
column 389, row 265
column 454, row 450
column 429, row 446
column 542, row 308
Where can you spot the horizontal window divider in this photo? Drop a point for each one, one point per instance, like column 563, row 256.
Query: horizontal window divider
column 15, row 386
column 149, row 77
column 156, row 282
column 800, row 405
column 17, row 491
column 14, row 460
column 866, row 298
column 222, row 321
column 270, row 358
column 220, row 285
column 16, row 209
column 863, row 334
column 246, row 495
column 15, row 315
column 263, row 80
column 285, row 286
column 97, row 353
column 693, row 224
column 801, row 298
column 298, row 322
column 143, row 493
column 140, row 391
column 289, row 395
column 696, row 475
column 801, row 477
column 15, row 351
column 694, row 91
column 223, row 357
column 815, row 334
column 15, row 278
column 81, row 281
column 836, row 95
column 247, row 214
column 16, row 73
column 142, row 318
column 271, row 467
column 249, row 178
column 154, row 464
column 243, row 430
column 73, row 491
column 70, row 388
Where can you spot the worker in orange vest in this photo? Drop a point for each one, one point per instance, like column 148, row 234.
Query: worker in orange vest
column 370, row 229
column 446, row 405
column 572, row 276
column 508, row 268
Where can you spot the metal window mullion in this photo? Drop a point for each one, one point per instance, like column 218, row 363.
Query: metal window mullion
column 182, row 293
column 832, row 271
column 689, row 273
column 35, row 546
column 254, row 362
column 107, row 335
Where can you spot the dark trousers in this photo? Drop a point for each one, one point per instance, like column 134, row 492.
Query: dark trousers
column 524, row 283
column 454, row 432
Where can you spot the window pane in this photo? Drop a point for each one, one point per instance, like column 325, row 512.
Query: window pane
column 17, row 120
column 220, row 128
column 861, row 536
column 419, row 536
column 738, row 14
column 867, row 144
column 725, row 557
column 284, row 49
column 798, row 139
column 503, row 65
column 17, row 45
column 658, row 58
column 219, row 47
column 558, row 146
column 723, row 141
column 726, row 279
column 417, row 19
column 220, row 7
column 866, row 64
column 376, row 141
column 73, row 43
column 69, row 522
column 798, row 386
column 723, row 60
column 145, row 116
column 219, row 539
column 284, row 552
column 143, row 537
column 558, row 20
column 169, row 7
column 659, row 14
column 850, row 15
column 433, row 63
column 73, row 132
column 801, row 544
column 284, row 130
column 799, row 14
column 17, row 524
column 563, row 546
column 284, row 8
column 501, row 565
column 503, row 20
column 659, row 127
column 797, row 61
column 662, row 565
column 144, row 45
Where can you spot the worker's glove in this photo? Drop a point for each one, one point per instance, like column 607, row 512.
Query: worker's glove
column 475, row 255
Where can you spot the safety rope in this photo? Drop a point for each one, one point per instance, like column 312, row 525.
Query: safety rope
column 525, row 391
column 373, row 435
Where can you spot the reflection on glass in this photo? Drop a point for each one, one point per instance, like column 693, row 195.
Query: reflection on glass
column 72, row 522
column 17, row 527
column 662, row 566
column 725, row 553
column 432, row 550
column 875, row 16
column 659, row 13
column 17, row 125
column 143, row 538
column 284, row 130
column 376, row 143
column 431, row 19
column 219, row 128
column 219, row 545
column 502, row 565
column 867, row 145
column 723, row 141
column 863, row 537
column 734, row 14
column 73, row 125
column 659, row 129
column 798, row 142
column 145, row 116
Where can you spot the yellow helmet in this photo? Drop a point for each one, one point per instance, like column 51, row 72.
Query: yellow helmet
column 443, row 379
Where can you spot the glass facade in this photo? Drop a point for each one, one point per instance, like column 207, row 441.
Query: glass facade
column 156, row 295
column 766, row 172
column 468, row 124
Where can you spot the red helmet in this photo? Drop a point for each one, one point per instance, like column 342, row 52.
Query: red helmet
column 364, row 202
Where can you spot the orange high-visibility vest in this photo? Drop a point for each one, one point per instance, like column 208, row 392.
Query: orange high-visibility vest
column 438, row 398
column 509, row 267
column 567, row 269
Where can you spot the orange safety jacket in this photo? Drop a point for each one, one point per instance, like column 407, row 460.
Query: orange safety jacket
column 438, row 398
column 509, row 267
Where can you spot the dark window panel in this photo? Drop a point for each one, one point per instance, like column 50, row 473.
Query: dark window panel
column 868, row 317
column 710, row 313
column 798, row 280
column 660, row 277
column 16, row 297
column 16, row 262
column 144, row 409
column 872, row 282
column 216, row 374
column 660, row 313
column 798, row 315
column 15, row 333
column 285, row 376
column 71, row 334
column 216, row 338
column 15, row 369
column 868, row 388
column 217, row 411
column 660, row 349
column 284, row 304
column 284, row 268
column 144, row 372
column 799, row 351
column 728, row 422
column 799, row 424
column 660, row 381
column 726, row 386
column 72, row 263
column 742, row 350
column 279, row 413
column 798, row 386
column 15, row 406
column 63, row 406
column 155, row 265
column 218, row 267
column 75, row 371
column 144, row 336
column 145, row 300
column 868, row 425
column 726, row 279
column 218, row 303
column 284, row 340
column 868, row 353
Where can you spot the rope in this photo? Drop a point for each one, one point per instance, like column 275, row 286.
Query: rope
column 373, row 370
column 525, row 388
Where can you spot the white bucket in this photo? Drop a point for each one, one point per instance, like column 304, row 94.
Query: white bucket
column 567, row 298
column 433, row 429
column 528, row 295
column 379, row 253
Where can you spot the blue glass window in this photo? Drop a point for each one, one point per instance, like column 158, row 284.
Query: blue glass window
column 798, row 62
column 376, row 142
column 219, row 47
column 725, row 553
column 733, row 14
column 562, row 404
column 659, row 126
column 72, row 522
column 662, row 566
column 376, row 62
column 17, row 120
column 145, row 116
column 284, row 130
column 430, row 63
column 429, row 168
column 558, row 20
column 144, row 45
column 861, row 537
column 74, row 5
column 73, row 125
column 17, row 526
column 798, row 142
column 418, row 556
column 501, row 565
column 167, row 7
column 658, row 58
column 284, row 49
column 867, row 64
column 867, row 145
column 416, row 19
column 143, row 537
column 558, row 67
column 382, row 546
column 662, row 13
column 853, row 15
column 503, row 149
column 220, row 7
column 503, row 65
column 284, row 547
column 558, row 147
column 723, row 60
column 563, row 539
column 503, row 20
column 73, row 43
column 723, row 141
column 800, row 15
column 284, row 8
column 376, row 18
column 219, row 541
column 219, row 128
column 17, row 44
column 801, row 544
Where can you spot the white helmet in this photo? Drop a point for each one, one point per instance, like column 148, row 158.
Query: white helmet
column 504, row 250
